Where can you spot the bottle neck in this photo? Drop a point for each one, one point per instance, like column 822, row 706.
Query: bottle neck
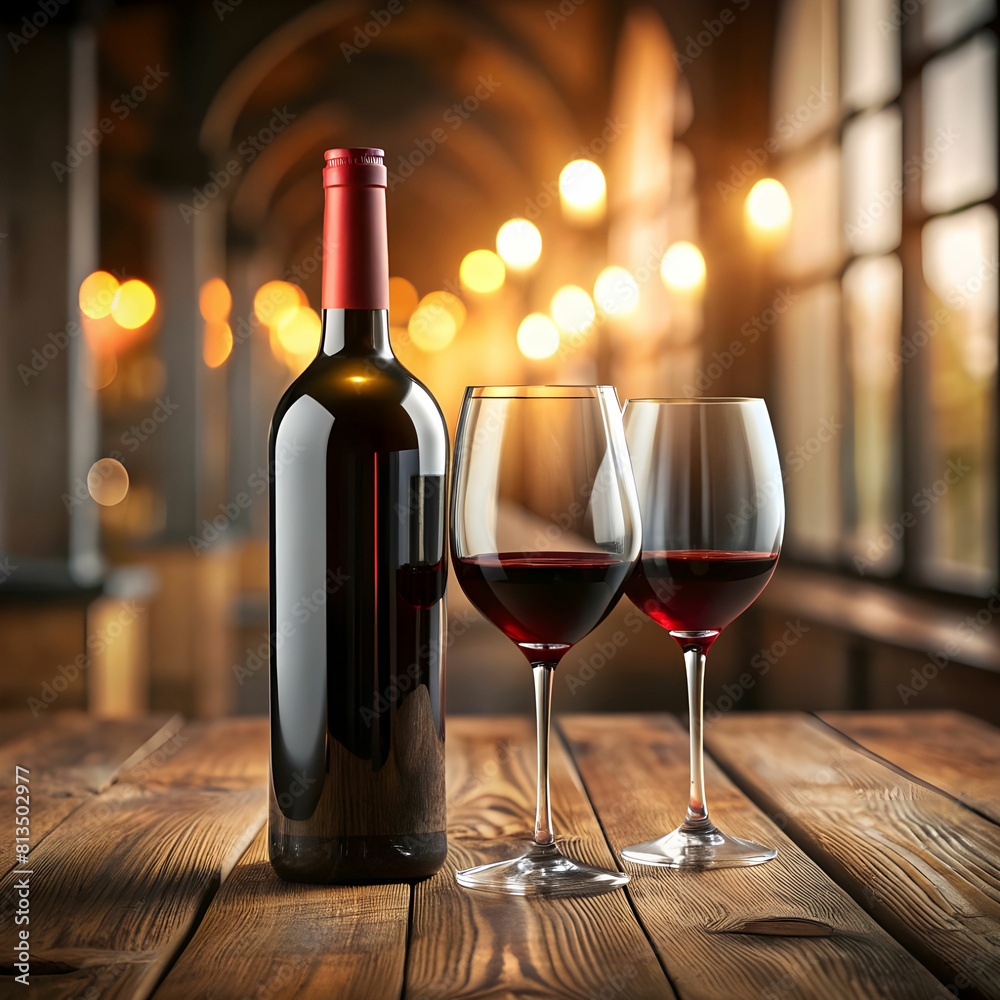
column 355, row 333
column 355, row 248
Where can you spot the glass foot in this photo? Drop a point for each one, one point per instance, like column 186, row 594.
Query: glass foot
column 543, row 871
column 693, row 848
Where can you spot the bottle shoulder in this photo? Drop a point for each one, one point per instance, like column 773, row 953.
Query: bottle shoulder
column 368, row 403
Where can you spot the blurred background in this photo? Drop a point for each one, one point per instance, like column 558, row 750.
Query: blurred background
column 795, row 200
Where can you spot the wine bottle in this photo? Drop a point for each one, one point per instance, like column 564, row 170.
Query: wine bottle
column 358, row 457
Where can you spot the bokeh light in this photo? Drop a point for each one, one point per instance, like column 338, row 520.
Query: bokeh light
column 403, row 300
column 572, row 309
column 215, row 301
column 436, row 320
column 482, row 271
column 519, row 243
column 583, row 191
column 768, row 207
column 133, row 304
column 616, row 292
column 217, row 344
column 299, row 332
column 97, row 292
column 107, row 482
column 537, row 337
column 683, row 267
column 275, row 300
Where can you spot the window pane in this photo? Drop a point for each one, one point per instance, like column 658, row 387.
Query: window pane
column 813, row 184
column 805, row 76
column 957, row 499
column 959, row 158
column 873, row 292
column 945, row 20
column 873, row 183
column 809, row 420
column 871, row 53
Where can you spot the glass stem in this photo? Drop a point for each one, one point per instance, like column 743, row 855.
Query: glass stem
column 694, row 665
column 543, row 703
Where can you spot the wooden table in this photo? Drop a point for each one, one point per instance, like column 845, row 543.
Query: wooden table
column 149, row 871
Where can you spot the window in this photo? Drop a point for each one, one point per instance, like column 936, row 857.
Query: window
column 891, row 343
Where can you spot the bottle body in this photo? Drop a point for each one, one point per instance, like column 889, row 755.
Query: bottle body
column 358, row 458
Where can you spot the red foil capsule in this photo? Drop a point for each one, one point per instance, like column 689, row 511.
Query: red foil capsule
column 355, row 244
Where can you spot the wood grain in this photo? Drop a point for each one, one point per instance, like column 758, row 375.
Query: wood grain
column 118, row 888
column 70, row 757
column 950, row 750
column 265, row 937
column 926, row 867
column 467, row 944
column 779, row 930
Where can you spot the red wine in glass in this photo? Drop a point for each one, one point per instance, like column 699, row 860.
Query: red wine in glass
column 544, row 534
column 709, row 486
column 698, row 590
column 543, row 600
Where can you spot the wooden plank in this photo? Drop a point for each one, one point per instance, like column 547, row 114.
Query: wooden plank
column 779, row 930
column 926, row 867
column 465, row 943
column 70, row 757
column 951, row 750
column 119, row 886
column 265, row 937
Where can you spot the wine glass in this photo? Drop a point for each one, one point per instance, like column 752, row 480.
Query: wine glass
column 710, row 493
column 544, row 533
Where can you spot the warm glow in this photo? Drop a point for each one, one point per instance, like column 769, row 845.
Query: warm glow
column 572, row 309
column 215, row 301
column 583, row 191
column 133, row 305
column 482, row 271
column 768, row 207
column 97, row 292
column 436, row 320
column 519, row 243
column 403, row 300
column 107, row 482
column 537, row 337
column 616, row 292
column 275, row 300
column 299, row 332
column 217, row 344
column 102, row 369
column 683, row 267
